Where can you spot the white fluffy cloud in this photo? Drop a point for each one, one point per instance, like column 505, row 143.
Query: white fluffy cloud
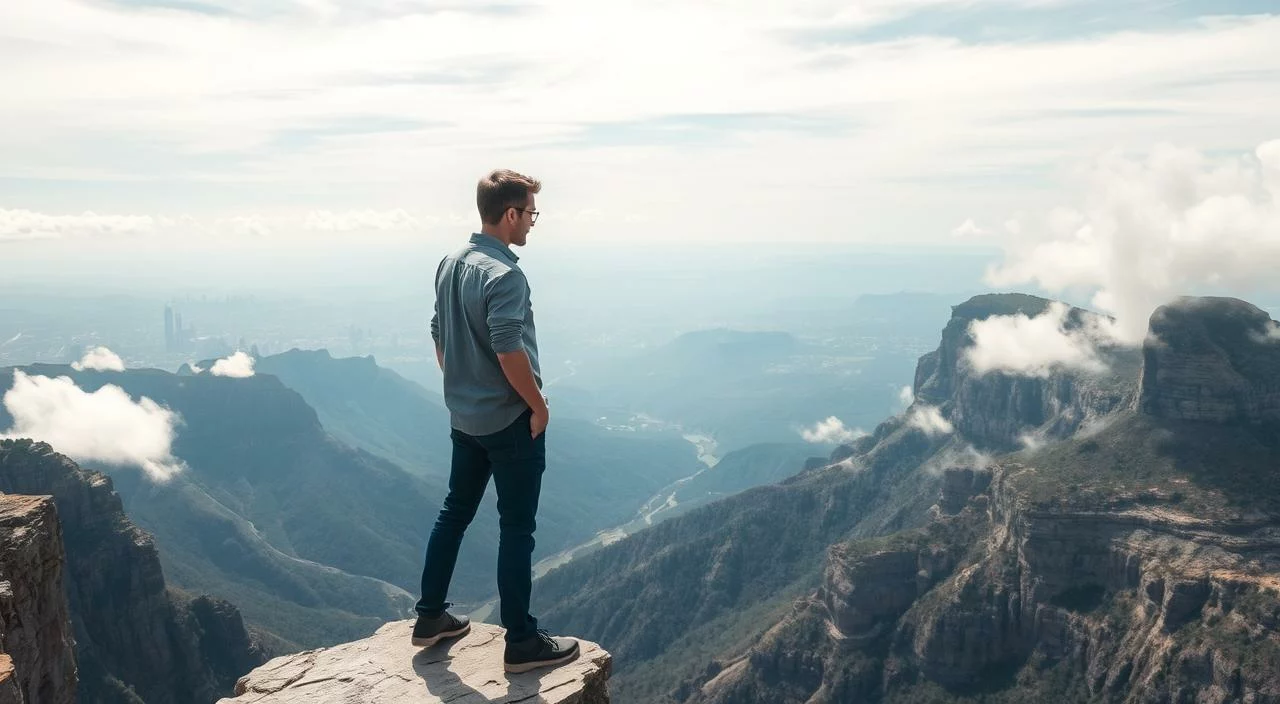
column 101, row 359
column 968, row 228
column 906, row 396
column 831, row 430
column 929, row 420
column 1026, row 346
column 889, row 118
column 1031, row 441
column 352, row 220
column 243, row 226
column 29, row 225
column 103, row 426
column 16, row 225
column 1176, row 222
column 238, row 365
column 967, row 457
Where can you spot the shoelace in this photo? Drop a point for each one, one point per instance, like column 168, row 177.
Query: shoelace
column 546, row 637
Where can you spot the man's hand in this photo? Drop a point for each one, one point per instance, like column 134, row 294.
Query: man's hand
column 519, row 372
column 538, row 423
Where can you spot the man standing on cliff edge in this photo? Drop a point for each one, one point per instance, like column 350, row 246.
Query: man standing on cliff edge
column 486, row 346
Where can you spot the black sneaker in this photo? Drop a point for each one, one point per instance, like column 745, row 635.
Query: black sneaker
column 429, row 631
column 541, row 650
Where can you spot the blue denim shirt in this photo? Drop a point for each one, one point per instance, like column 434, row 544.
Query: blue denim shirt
column 482, row 308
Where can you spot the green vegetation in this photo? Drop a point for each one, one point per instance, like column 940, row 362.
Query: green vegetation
column 661, row 598
column 595, row 479
column 724, row 638
column 1205, row 469
column 266, row 495
column 1038, row 680
column 1081, row 598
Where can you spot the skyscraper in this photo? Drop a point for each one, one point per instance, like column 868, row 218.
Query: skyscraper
column 168, row 329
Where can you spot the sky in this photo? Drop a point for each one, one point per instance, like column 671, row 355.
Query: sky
column 215, row 125
column 1120, row 154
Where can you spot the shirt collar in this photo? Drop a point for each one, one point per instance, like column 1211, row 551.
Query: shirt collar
column 479, row 238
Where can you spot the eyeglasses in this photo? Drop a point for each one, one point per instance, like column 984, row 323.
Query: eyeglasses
column 532, row 218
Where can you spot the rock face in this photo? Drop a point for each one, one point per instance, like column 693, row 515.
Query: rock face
column 1212, row 359
column 994, row 411
column 1137, row 562
column 37, row 663
column 135, row 640
column 1127, row 604
column 9, row 692
column 386, row 668
column 657, row 597
column 1139, row 604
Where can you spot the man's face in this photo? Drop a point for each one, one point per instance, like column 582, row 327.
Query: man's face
column 524, row 222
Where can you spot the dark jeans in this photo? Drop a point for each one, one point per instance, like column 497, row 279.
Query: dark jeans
column 516, row 462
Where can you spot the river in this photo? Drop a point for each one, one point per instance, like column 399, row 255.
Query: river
column 659, row 503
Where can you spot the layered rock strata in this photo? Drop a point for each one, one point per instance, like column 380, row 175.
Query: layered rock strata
column 998, row 411
column 37, row 660
column 1126, row 603
column 1212, row 359
column 135, row 640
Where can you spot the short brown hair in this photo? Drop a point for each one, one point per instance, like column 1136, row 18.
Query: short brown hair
column 503, row 189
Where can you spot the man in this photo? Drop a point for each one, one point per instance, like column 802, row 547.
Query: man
column 486, row 347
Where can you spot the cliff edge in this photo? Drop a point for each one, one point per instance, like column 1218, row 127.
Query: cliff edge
column 386, row 668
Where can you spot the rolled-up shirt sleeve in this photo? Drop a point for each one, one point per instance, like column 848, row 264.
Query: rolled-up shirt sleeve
column 507, row 302
column 435, row 325
column 435, row 315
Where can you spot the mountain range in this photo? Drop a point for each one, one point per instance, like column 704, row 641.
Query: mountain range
column 1069, row 537
column 320, row 541
column 1101, row 535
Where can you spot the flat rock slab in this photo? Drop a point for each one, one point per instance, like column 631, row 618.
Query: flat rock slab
column 385, row 667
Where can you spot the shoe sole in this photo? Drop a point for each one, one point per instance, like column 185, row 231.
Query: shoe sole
column 428, row 642
column 526, row 666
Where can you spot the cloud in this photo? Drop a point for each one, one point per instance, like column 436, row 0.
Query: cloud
column 1036, row 347
column 831, row 431
column 195, row 368
column 103, row 426
column 245, row 226
column 397, row 219
column 1175, row 222
column 967, row 457
column 238, row 365
column 18, row 225
column 101, row 359
column 30, row 225
column 906, row 396
column 1095, row 425
column 88, row 105
column 968, row 228
column 1269, row 333
column 929, row 420
column 1031, row 441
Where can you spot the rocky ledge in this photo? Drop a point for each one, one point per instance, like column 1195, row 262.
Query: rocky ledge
column 37, row 660
column 386, row 668
column 1214, row 360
